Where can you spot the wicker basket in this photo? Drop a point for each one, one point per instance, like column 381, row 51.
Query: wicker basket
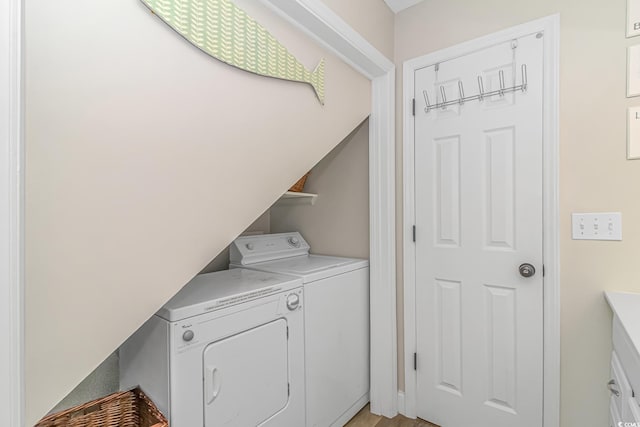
column 124, row 409
column 299, row 186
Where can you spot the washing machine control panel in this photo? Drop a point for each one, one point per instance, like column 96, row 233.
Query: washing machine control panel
column 246, row 250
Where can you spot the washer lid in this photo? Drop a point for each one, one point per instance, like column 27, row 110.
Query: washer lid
column 312, row 267
column 214, row 291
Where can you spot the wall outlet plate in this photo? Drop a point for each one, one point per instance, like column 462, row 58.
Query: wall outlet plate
column 597, row 226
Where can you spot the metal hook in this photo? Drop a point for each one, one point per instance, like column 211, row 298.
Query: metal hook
column 461, row 90
column 426, row 100
column 482, row 94
column 444, row 98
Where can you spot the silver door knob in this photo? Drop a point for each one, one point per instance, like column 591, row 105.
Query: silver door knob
column 527, row 270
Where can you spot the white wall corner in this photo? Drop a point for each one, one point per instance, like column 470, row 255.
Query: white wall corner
column 11, row 211
column 400, row 5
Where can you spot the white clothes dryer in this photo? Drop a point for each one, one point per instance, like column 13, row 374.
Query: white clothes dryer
column 227, row 350
column 336, row 319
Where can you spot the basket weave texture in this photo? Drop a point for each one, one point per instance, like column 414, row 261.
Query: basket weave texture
column 123, row 409
column 299, row 185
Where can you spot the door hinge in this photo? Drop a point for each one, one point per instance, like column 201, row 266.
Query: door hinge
column 415, row 361
column 413, row 106
column 414, row 233
column 287, row 332
column 288, row 389
column 542, row 270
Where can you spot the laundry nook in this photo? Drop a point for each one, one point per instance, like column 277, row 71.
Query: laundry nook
column 254, row 345
column 319, row 213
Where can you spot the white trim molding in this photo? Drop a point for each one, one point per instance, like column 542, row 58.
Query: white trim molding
column 550, row 26
column 401, row 405
column 11, row 215
column 317, row 20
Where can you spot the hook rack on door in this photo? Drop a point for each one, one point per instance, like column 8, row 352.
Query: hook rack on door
column 481, row 93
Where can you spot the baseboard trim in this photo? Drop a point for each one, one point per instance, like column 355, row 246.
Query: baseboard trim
column 401, row 404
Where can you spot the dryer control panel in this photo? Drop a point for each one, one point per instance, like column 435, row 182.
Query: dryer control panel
column 199, row 330
column 247, row 250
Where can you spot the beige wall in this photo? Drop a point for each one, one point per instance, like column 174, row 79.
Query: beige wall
column 105, row 378
column 338, row 223
column 102, row 381
column 371, row 18
column 144, row 159
column 262, row 225
column 594, row 174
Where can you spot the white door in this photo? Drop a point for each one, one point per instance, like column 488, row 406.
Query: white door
column 478, row 174
column 246, row 378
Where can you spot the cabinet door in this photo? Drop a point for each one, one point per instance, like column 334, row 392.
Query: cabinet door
column 614, row 415
column 246, row 377
column 619, row 386
column 633, row 411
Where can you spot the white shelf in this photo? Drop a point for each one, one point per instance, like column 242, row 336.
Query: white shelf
column 291, row 198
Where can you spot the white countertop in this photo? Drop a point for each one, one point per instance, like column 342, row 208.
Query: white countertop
column 626, row 306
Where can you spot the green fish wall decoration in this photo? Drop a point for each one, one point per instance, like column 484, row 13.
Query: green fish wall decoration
column 224, row 31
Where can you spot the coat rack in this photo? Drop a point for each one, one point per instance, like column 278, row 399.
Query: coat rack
column 481, row 93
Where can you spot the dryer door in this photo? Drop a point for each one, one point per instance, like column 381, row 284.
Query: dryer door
column 246, row 377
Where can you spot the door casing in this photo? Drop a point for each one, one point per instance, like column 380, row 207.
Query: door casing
column 11, row 215
column 550, row 26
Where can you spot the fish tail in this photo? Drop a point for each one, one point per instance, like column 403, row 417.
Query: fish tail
column 317, row 81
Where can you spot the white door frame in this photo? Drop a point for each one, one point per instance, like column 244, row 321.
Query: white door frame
column 550, row 26
column 325, row 26
column 11, row 215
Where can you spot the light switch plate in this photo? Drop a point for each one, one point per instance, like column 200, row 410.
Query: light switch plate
column 597, row 226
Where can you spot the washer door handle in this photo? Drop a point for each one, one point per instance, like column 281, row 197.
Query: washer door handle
column 212, row 384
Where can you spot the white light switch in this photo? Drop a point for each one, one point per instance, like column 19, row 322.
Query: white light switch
column 597, row 226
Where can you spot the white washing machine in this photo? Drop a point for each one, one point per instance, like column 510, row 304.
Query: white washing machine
column 227, row 350
column 336, row 316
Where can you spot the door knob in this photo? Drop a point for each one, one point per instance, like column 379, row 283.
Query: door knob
column 527, row 270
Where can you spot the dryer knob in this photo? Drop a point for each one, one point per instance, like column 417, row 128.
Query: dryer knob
column 188, row 335
column 293, row 301
column 250, row 246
